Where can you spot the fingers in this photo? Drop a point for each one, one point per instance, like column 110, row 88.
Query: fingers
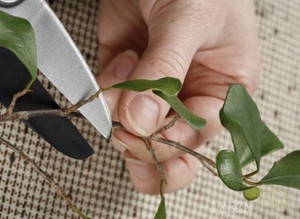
column 205, row 107
column 179, row 172
column 182, row 38
column 142, row 114
column 176, row 31
column 116, row 71
column 120, row 27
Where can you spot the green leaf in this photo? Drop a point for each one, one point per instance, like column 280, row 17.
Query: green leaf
column 285, row 172
column 194, row 121
column 168, row 85
column 161, row 211
column 17, row 35
column 269, row 143
column 230, row 171
column 251, row 193
column 240, row 116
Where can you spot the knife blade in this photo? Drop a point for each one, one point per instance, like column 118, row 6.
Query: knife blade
column 62, row 63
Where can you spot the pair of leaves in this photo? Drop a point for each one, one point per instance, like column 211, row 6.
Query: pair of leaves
column 167, row 88
column 252, row 139
column 17, row 35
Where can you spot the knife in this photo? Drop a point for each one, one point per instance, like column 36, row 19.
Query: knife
column 62, row 63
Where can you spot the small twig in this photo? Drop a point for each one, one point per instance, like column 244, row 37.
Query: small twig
column 17, row 96
column 161, row 188
column 154, row 158
column 35, row 113
column 44, row 175
column 148, row 143
column 82, row 102
column 118, row 125
column 166, row 127
column 205, row 161
column 14, row 100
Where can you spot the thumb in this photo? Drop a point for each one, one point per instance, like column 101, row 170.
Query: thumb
column 171, row 47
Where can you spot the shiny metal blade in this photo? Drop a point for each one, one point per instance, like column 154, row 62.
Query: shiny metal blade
column 62, row 63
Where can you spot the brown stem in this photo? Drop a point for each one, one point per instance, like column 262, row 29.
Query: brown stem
column 35, row 113
column 166, row 127
column 118, row 125
column 83, row 102
column 14, row 100
column 154, row 158
column 205, row 161
column 17, row 96
column 44, row 175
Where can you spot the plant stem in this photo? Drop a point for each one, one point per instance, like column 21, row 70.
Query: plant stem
column 205, row 161
column 83, row 102
column 14, row 100
column 44, row 175
column 251, row 183
column 166, row 127
column 251, row 174
column 35, row 113
column 154, row 158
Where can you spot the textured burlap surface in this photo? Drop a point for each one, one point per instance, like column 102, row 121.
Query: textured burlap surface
column 97, row 185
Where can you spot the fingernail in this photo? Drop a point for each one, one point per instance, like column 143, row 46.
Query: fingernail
column 142, row 114
column 125, row 64
column 139, row 169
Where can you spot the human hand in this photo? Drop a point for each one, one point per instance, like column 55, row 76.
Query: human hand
column 208, row 45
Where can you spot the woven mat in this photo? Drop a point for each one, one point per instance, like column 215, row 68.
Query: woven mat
column 97, row 185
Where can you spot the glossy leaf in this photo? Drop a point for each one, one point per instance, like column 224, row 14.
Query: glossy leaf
column 230, row 171
column 17, row 35
column 269, row 143
column 251, row 193
column 194, row 121
column 285, row 172
column 161, row 211
column 168, row 85
column 240, row 116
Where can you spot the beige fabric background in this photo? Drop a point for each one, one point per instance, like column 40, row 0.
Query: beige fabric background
column 97, row 186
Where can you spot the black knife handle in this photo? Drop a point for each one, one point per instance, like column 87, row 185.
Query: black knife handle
column 58, row 131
